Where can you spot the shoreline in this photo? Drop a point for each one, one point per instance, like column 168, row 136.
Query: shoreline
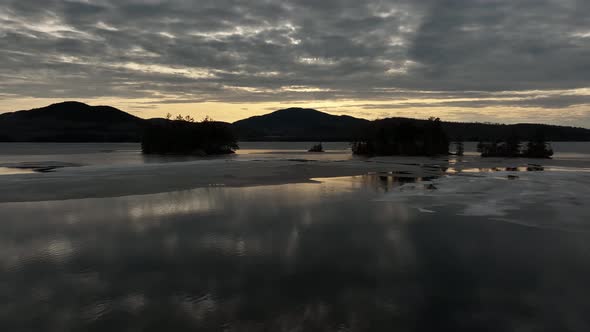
column 124, row 180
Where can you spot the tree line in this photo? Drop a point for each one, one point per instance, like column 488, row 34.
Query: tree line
column 537, row 147
column 386, row 137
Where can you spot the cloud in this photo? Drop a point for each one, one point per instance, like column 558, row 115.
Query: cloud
column 549, row 102
column 292, row 50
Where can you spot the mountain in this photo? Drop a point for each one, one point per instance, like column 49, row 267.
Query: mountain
column 78, row 122
column 299, row 124
column 71, row 122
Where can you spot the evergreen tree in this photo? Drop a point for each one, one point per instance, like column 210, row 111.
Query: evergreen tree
column 538, row 148
column 512, row 146
column 459, row 148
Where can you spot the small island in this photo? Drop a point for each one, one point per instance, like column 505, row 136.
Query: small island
column 513, row 148
column 183, row 135
column 316, row 148
column 389, row 137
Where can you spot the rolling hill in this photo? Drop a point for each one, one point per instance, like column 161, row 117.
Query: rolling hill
column 78, row 122
column 299, row 124
column 70, row 122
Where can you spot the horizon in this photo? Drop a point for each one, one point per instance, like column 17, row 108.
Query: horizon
column 297, row 107
column 463, row 61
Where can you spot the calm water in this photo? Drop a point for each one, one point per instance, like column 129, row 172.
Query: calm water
column 327, row 256
column 130, row 153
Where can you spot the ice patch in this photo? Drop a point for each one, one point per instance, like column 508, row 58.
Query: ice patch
column 555, row 200
column 490, row 207
column 426, row 210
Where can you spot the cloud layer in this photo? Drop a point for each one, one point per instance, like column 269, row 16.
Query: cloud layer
column 463, row 53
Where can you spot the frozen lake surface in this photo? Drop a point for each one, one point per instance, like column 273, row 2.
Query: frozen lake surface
column 277, row 239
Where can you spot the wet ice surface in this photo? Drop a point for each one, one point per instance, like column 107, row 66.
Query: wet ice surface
column 337, row 254
column 549, row 199
column 407, row 244
column 32, row 167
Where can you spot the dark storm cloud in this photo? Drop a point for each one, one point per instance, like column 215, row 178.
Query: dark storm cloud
column 241, row 51
column 499, row 45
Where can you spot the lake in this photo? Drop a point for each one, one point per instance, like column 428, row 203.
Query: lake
column 474, row 247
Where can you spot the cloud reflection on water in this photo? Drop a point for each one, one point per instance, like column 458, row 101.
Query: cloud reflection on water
column 316, row 256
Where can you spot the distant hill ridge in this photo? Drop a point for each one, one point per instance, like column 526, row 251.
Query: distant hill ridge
column 78, row 122
column 71, row 122
column 299, row 124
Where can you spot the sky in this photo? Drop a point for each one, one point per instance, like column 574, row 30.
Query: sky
column 462, row 60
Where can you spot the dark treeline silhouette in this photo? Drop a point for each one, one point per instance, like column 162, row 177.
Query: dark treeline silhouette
column 537, row 149
column 184, row 136
column 296, row 124
column 78, row 122
column 489, row 132
column 389, row 137
column 513, row 147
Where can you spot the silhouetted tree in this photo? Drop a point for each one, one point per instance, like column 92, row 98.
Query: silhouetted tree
column 184, row 136
column 480, row 146
column 538, row 148
column 493, row 149
column 459, row 148
column 395, row 137
column 317, row 148
column 512, row 147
